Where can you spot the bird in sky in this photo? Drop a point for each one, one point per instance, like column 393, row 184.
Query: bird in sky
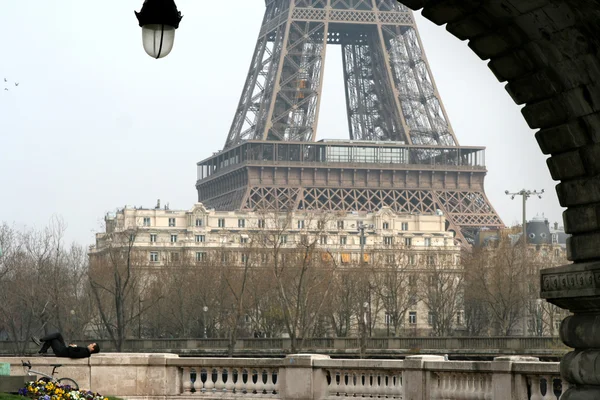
column 5, row 88
column 16, row 83
column 5, row 80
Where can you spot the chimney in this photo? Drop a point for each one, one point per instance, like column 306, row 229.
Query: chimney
column 556, row 226
column 158, row 204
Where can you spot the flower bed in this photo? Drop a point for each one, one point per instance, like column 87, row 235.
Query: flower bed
column 42, row 390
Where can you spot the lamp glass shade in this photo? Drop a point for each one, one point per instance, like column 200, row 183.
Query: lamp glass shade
column 158, row 39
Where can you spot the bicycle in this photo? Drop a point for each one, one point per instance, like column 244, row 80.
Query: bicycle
column 51, row 378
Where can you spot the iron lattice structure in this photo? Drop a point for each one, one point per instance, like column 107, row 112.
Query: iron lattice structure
column 391, row 98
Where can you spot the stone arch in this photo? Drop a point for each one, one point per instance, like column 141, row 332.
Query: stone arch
column 548, row 53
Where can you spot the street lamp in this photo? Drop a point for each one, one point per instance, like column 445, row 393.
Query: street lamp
column 205, row 309
column 158, row 19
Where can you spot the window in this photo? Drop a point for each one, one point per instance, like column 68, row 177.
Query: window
column 428, row 242
column 261, row 223
column 320, row 225
column 300, row 224
column 224, row 257
column 342, row 240
column 172, row 222
column 199, row 222
column 340, row 224
column 386, row 225
column 323, row 240
column 173, row 238
column 154, row 256
column 388, row 240
column 412, row 317
column 431, row 280
column 221, row 222
column 174, row 257
column 412, row 280
column 459, row 318
column 390, row 259
column 430, row 260
column 363, row 240
column 241, row 223
column 132, row 238
column 412, row 259
column 147, row 221
column 243, row 239
column 556, row 252
column 431, row 318
column 345, row 258
column 304, row 240
column 408, row 242
column 153, row 238
column 200, row 256
column 264, row 257
column 283, row 239
column 388, row 318
column 200, row 238
column 245, row 257
column 404, row 226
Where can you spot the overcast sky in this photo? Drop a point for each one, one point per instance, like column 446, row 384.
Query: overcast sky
column 96, row 124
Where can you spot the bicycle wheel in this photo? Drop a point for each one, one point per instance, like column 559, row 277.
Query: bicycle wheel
column 68, row 382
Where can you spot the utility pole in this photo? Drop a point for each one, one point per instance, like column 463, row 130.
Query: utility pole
column 525, row 195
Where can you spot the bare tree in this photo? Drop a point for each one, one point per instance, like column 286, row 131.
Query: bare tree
column 498, row 278
column 116, row 280
column 440, row 289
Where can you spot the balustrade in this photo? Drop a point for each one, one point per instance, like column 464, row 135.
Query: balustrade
column 307, row 377
column 236, row 379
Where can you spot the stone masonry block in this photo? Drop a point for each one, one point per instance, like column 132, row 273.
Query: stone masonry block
column 592, row 124
column 583, row 247
column 524, row 6
column 492, row 45
column 469, row 27
column 546, row 113
column 582, row 219
column 450, row 10
column 535, row 87
column 567, row 165
column 561, row 138
column 579, row 191
column 512, row 65
column 590, row 156
column 542, row 23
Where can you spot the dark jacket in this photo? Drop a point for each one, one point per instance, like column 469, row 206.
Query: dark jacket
column 77, row 352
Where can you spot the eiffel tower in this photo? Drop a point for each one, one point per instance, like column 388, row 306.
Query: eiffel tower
column 401, row 151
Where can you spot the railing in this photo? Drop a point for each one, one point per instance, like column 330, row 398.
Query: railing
column 484, row 346
column 308, row 377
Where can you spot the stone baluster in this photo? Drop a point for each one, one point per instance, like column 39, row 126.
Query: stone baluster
column 549, row 388
column 219, row 384
column 352, row 383
column 344, row 381
column 565, row 387
column 534, row 384
column 253, row 382
column 209, row 384
column 398, row 386
column 489, row 388
column 270, row 385
column 457, row 385
column 229, row 385
column 361, row 387
column 275, row 375
column 239, row 385
column 187, row 380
